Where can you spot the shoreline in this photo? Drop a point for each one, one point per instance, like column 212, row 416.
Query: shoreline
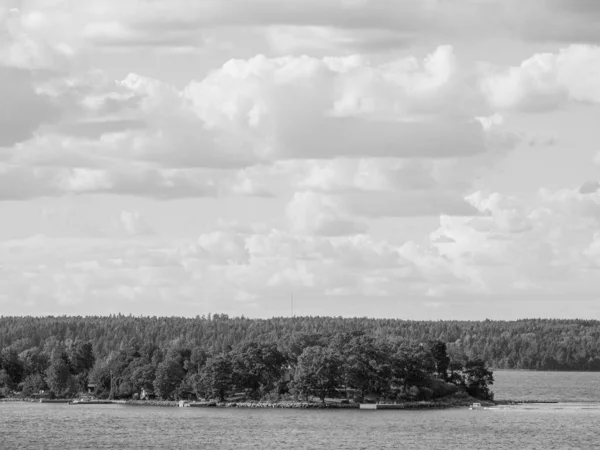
column 415, row 405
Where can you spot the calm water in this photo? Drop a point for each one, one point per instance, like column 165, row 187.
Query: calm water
column 556, row 386
column 553, row 426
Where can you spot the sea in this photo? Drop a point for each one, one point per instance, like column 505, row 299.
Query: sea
column 572, row 423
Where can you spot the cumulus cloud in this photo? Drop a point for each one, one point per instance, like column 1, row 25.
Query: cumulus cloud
column 216, row 269
column 547, row 81
column 133, row 223
column 513, row 245
column 347, row 122
column 350, row 107
column 247, row 116
column 518, row 244
column 313, row 213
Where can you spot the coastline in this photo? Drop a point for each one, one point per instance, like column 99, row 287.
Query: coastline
column 442, row 403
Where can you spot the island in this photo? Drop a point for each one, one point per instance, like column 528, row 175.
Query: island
column 302, row 362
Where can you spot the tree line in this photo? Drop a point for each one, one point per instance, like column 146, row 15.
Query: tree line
column 534, row 344
column 347, row 365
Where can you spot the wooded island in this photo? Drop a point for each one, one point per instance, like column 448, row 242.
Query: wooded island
column 222, row 358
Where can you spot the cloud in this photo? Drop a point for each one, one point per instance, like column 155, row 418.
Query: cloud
column 243, row 118
column 589, row 187
column 546, row 81
column 513, row 246
column 223, row 248
column 397, row 109
column 404, row 204
column 295, row 39
column 545, row 244
column 23, row 110
column 21, row 49
column 442, row 239
column 218, row 269
column 312, row 213
column 17, row 183
column 133, row 223
column 328, row 26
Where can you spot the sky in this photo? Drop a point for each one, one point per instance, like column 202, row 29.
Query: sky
column 418, row 159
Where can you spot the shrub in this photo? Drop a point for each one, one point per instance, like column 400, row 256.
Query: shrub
column 440, row 388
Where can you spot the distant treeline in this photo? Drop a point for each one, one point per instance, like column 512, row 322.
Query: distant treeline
column 536, row 344
column 302, row 365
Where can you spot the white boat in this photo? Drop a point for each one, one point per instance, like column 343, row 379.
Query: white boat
column 476, row 406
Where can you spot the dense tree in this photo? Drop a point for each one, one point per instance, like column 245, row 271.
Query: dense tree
column 35, row 361
column 81, row 357
column 257, row 367
column 411, row 364
column 6, row 382
column 169, row 375
column 215, row 378
column 33, row 384
column 538, row 344
column 478, row 379
column 58, row 376
column 318, row 372
column 10, row 362
column 366, row 366
column 441, row 359
column 300, row 341
column 142, row 375
column 379, row 357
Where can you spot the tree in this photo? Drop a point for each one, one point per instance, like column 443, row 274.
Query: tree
column 257, row 367
column 81, row 357
column 34, row 360
column 477, row 379
column 455, row 373
column 9, row 361
column 215, row 378
column 411, row 364
column 58, row 376
column 33, row 384
column 301, row 341
column 6, row 382
column 317, row 373
column 169, row 375
column 142, row 375
column 440, row 358
column 366, row 365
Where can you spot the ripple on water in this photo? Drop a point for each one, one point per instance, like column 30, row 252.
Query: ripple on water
column 27, row 425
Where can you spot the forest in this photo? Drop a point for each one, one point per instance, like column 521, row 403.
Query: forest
column 216, row 356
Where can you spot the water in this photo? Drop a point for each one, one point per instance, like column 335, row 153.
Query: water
column 542, row 426
column 550, row 386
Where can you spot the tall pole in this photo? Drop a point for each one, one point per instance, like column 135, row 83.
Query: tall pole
column 292, row 300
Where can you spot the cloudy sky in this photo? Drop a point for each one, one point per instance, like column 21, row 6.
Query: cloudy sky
column 392, row 158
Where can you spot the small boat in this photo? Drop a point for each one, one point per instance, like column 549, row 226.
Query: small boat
column 476, row 406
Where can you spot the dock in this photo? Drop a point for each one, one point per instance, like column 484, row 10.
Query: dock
column 382, row 406
column 92, row 402
column 184, row 404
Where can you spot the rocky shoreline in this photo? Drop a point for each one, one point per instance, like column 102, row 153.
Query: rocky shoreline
column 414, row 405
